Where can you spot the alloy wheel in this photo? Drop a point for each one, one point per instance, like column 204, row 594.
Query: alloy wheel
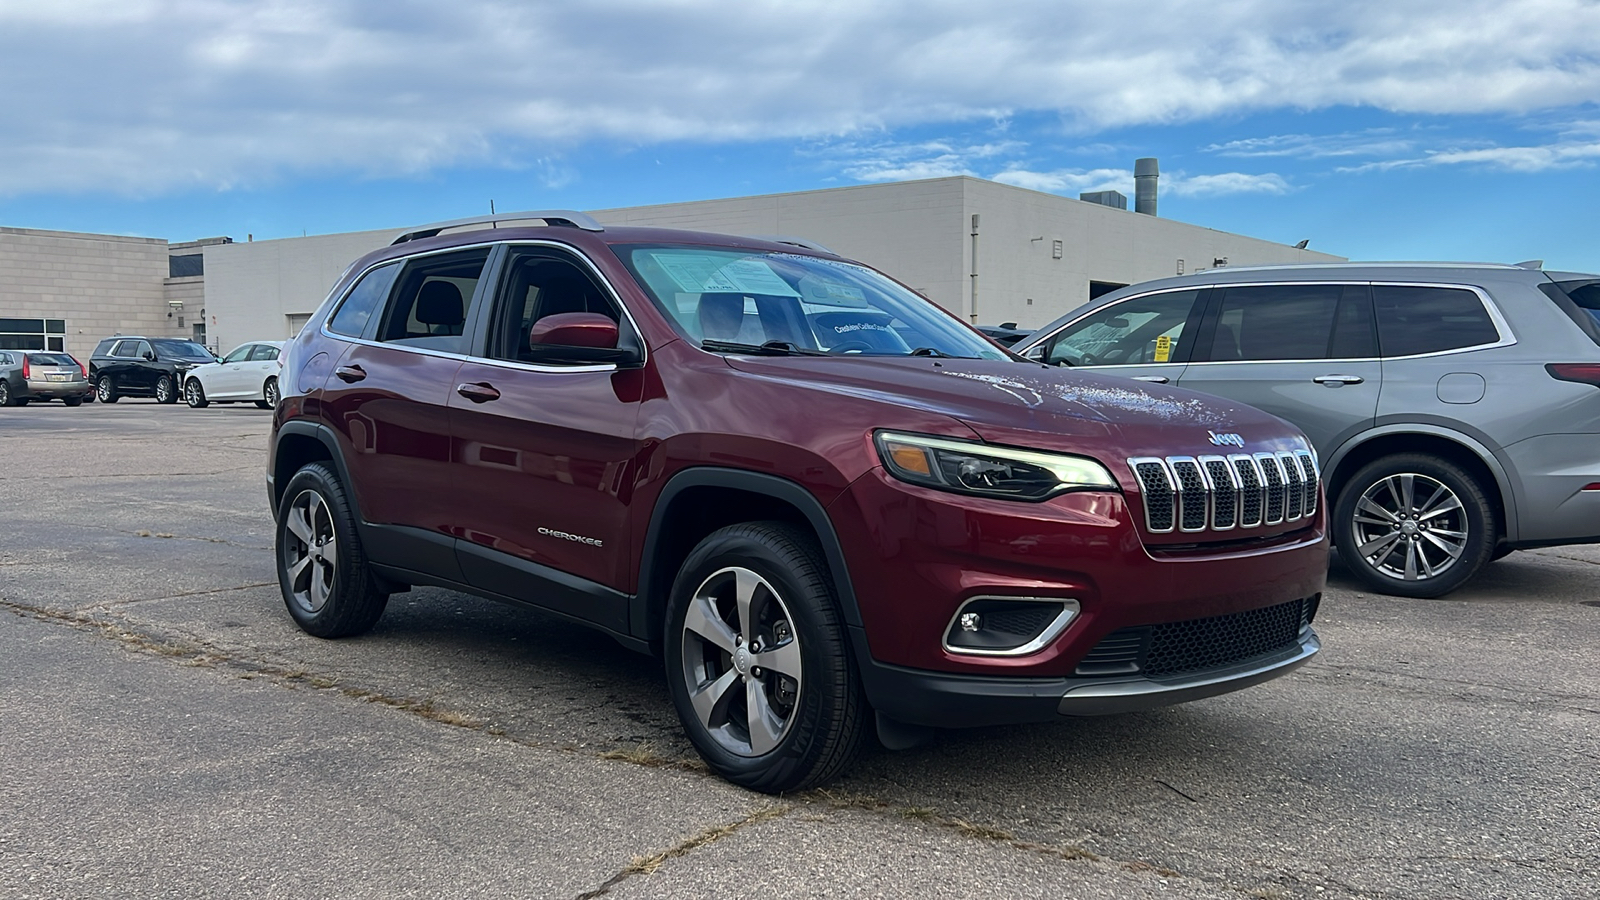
column 1410, row 526
column 741, row 661
column 164, row 390
column 311, row 555
column 5, row 394
column 270, row 392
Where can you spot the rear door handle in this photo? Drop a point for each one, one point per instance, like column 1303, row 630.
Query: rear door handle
column 1153, row 379
column 478, row 393
column 1338, row 379
column 350, row 374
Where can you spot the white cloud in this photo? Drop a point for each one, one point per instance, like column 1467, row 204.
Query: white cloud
column 1070, row 181
column 1542, row 158
column 1377, row 142
column 1225, row 183
column 147, row 96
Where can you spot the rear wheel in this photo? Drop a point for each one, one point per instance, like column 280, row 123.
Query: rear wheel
column 269, row 394
column 322, row 569
column 166, row 391
column 106, row 390
column 5, row 395
column 758, row 661
column 1414, row 525
column 195, row 395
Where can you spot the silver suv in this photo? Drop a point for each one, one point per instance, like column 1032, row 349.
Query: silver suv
column 1453, row 407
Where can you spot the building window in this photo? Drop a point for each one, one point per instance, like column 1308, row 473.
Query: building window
column 33, row 334
column 186, row 266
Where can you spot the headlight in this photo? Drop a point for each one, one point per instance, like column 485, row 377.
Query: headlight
column 985, row 470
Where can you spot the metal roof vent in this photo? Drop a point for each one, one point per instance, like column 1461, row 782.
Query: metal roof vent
column 1145, row 173
column 1113, row 199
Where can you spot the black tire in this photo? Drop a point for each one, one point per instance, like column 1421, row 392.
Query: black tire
column 820, row 715
column 6, row 399
column 327, row 599
column 166, row 390
column 269, row 394
column 106, row 390
column 72, row 401
column 1411, row 543
column 194, row 394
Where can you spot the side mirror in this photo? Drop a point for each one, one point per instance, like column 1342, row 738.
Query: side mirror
column 578, row 337
column 150, row 355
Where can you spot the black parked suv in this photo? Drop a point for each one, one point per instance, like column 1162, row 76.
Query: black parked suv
column 132, row 366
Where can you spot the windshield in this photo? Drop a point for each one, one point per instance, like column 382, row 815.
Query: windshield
column 181, row 350
column 733, row 300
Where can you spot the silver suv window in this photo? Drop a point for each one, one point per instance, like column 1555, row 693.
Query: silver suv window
column 1416, row 319
column 1144, row 329
column 1293, row 321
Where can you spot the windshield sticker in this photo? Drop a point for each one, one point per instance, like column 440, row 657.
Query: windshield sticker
column 718, row 275
column 832, row 293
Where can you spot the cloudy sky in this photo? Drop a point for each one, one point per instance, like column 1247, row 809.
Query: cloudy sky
column 1377, row 129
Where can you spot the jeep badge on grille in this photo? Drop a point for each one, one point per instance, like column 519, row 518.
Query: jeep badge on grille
column 1226, row 440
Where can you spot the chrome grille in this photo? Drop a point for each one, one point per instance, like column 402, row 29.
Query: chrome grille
column 1220, row 493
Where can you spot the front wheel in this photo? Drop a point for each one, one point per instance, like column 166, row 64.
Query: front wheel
column 322, row 568
column 1414, row 525
column 166, row 391
column 758, row 661
column 5, row 395
column 195, row 395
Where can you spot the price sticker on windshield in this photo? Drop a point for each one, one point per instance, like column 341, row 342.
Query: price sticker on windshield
column 1164, row 348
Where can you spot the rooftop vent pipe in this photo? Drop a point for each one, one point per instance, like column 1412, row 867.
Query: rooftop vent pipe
column 1145, row 174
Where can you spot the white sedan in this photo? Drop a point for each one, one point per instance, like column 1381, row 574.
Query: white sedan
column 248, row 374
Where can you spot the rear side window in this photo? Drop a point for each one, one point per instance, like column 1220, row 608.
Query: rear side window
column 1293, row 321
column 428, row 306
column 366, row 296
column 1580, row 300
column 1413, row 320
column 264, row 353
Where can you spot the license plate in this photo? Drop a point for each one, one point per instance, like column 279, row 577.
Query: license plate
column 55, row 378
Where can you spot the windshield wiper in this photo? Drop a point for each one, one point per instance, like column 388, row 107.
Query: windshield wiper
column 931, row 351
column 770, row 348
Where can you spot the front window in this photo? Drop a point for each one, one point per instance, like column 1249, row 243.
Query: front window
column 181, row 350
column 774, row 302
column 239, row 354
column 1139, row 331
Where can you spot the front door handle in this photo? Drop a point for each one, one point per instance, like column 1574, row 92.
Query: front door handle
column 350, row 374
column 478, row 393
column 1153, row 379
column 1336, row 380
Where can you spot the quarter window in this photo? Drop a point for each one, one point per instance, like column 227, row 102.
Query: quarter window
column 264, row 353
column 356, row 310
column 1141, row 330
column 1413, row 320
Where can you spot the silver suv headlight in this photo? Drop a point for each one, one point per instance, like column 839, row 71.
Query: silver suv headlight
column 969, row 467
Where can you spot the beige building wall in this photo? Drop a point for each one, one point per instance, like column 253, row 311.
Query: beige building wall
column 256, row 290
column 918, row 232
column 100, row 284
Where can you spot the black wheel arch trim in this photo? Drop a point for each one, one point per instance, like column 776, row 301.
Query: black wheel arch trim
column 323, row 435
column 782, row 489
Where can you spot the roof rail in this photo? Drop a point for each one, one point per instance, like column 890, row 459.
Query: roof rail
column 567, row 217
column 793, row 242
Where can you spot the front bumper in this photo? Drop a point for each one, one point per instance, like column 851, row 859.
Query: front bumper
column 944, row 700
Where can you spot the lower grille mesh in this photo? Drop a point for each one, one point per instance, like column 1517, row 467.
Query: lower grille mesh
column 1174, row 648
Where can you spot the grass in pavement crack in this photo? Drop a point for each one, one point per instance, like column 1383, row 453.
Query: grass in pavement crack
column 646, row 865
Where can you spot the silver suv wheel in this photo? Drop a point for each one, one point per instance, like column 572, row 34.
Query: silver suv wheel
column 1410, row 526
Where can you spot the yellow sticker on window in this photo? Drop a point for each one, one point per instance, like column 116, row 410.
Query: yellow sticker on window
column 1163, row 349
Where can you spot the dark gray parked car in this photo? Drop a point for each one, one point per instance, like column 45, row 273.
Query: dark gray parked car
column 41, row 375
column 1454, row 408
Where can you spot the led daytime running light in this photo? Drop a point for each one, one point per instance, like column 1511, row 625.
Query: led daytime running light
column 986, row 470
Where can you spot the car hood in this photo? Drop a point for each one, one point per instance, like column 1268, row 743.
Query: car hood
column 1027, row 404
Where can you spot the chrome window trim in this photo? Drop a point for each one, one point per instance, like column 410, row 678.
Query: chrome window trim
column 1070, row 609
column 322, row 321
column 1507, row 338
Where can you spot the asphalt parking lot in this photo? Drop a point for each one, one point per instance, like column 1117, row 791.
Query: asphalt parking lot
column 167, row 731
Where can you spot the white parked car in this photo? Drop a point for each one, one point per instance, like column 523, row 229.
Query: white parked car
column 248, row 374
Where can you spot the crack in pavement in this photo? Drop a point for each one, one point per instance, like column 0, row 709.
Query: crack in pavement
column 647, row 865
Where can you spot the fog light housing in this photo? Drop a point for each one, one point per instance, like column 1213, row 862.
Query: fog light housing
column 1007, row 626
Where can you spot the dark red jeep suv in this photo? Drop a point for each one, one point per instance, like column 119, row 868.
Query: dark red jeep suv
column 827, row 503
